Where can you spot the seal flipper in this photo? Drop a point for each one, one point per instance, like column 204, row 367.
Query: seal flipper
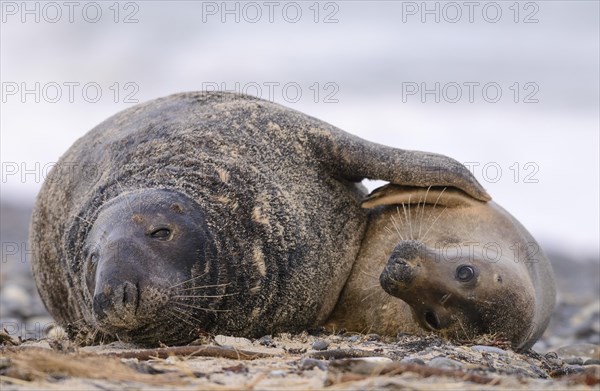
column 392, row 194
column 356, row 159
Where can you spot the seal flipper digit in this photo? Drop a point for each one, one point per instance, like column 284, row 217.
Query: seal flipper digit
column 357, row 159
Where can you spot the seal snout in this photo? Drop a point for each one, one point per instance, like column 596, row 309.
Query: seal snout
column 401, row 268
column 116, row 299
column 396, row 275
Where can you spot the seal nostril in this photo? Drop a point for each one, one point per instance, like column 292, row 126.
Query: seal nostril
column 432, row 320
column 400, row 261
column 130, row 294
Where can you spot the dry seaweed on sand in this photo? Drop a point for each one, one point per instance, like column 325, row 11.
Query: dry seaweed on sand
column 290, row 362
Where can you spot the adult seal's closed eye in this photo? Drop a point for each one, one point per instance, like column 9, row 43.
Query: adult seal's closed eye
column 210, row 212
column 461, row 267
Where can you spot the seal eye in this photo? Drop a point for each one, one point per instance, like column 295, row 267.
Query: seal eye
column 465, row 273
column 161, row 233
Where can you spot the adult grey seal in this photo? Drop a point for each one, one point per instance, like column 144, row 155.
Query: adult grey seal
column 461, row 267
column 210, row 212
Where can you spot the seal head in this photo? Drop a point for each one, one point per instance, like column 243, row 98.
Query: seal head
column 144, row 257
column 460, row 295
column 460, row 267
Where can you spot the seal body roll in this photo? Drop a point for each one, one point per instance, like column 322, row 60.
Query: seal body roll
column 437, row 260
column 210, row 212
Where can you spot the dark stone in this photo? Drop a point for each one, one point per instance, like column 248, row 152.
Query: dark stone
column 267, row 341
column 320, row 344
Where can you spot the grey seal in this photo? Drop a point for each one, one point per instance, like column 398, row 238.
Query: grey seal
column 438, row 260
column 210, row 213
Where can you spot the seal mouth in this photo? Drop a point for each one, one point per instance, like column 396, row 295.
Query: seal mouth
column 432, row 320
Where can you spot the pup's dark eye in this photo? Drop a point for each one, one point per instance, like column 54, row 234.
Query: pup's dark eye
column 160, row 233
column 465, row 273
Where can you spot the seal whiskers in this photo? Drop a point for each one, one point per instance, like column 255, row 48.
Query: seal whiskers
column 175, row 311
column 372, row 293
column 205, row 296
column 188, row 317
column 396, row 226
column 188, row 280
column 423, row 210
column 202, row 287
column 198, row 308
column 436, row 219
column 409, row 219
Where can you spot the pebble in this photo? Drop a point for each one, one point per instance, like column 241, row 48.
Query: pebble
column 363, row 366
column 574, row 361
column 172, row 360
column 354, row 338
column 573, row 369
column 236, row 342
column 412, row 360
column 489, row 349
column 320, row 344
column 444, row 363
column 277, row 373
column 592, row 361
column 310, row 363
column 267, row 341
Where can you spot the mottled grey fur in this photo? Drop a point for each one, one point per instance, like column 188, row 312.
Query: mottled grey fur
column 280, row 191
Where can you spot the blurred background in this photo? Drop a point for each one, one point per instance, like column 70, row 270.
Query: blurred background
column 511, row 89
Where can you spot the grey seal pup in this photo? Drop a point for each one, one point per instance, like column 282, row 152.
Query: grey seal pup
column 210, row 213
column 441, row 261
